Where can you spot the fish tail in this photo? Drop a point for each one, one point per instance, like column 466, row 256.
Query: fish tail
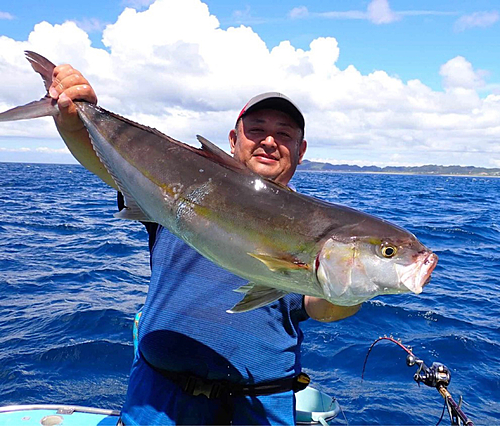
column 43, row 107
column 42, row 66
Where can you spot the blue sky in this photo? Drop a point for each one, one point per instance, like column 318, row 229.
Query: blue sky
column 380, row 82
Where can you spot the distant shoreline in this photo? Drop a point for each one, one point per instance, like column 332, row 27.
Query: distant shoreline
column 396, row 173
column 313, row 166
column 427, row 170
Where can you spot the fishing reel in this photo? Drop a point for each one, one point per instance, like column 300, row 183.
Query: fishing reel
column 435, row 376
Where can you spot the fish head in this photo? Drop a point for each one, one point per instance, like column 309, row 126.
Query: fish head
column 355, row 269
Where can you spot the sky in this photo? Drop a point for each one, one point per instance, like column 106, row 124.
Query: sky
column 380, row 82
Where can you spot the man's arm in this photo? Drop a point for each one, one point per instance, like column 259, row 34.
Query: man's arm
column 68, row 84
column 324, row 311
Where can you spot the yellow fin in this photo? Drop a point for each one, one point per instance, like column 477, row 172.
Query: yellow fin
column 255, row 296
column 280, row 264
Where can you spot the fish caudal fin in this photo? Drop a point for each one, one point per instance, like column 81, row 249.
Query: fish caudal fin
column 42, row 66
column 256, row 296
column 43, row 107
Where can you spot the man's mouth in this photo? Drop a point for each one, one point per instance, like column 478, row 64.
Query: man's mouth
column 265, row 158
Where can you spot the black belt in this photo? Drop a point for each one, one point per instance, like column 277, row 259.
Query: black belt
column 195, row 386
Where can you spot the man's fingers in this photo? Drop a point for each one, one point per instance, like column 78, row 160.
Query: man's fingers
column 59, row 74
column 82, row 92
column 69, row 81
column 68, row 85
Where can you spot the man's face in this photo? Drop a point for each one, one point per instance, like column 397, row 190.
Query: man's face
column 269, row 143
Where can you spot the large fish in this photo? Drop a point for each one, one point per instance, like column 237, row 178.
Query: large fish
column 280, row 240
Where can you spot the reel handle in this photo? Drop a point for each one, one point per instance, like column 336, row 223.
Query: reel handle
column 435, row 376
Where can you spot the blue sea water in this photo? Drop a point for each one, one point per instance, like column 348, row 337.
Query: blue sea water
column 72, row 278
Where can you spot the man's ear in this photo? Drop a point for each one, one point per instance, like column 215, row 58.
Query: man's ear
column 302, row 150
column 232, row 140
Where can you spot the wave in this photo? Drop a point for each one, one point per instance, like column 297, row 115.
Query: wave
column 73, row 276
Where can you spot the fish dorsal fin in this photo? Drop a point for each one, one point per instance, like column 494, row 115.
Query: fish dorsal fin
column 256, row 295
column 42, row 66
column 213, row 152
column 224, row 159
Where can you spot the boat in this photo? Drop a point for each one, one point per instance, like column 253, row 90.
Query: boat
column 47, row 414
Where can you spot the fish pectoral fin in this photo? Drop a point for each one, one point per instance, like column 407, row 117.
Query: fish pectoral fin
column 256, row 295
column 132, row 211
column 281, row 263
column 245, row 288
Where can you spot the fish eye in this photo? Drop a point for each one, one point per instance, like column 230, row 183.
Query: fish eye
column 388, row 251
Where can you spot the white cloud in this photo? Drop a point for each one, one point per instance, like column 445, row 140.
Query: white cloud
column 40, row 149
column 22, row 149
column 172, row 67
column 459, row 73
column 348, row 14
column 6, row 16
column 476, row 20
column 379, row 12
column 299, row 12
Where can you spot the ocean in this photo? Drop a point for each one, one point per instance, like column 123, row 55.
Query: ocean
column 72, row 277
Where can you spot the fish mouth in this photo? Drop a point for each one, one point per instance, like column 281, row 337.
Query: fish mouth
column 431, row 262
column 418, row 274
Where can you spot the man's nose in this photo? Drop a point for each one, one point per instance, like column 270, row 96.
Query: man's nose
column 269, row 141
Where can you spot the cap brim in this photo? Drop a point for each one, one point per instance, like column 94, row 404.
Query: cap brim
column 276, row 101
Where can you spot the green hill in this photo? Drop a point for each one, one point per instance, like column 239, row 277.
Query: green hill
column 430, row 169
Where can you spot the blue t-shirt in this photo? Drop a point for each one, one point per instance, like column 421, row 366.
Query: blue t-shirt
column 185, row 326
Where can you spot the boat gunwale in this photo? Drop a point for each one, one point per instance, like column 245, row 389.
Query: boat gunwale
column 65, row 409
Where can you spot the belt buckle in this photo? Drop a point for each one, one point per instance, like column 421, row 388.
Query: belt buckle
column 196, row 386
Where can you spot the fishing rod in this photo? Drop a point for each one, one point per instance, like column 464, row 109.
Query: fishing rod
column 436, row 376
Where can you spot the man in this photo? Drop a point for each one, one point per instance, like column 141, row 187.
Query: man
column 197, row 364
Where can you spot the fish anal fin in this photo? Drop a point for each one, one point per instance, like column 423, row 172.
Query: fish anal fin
column 281, row 263
column 256, row 295
column 132, row 212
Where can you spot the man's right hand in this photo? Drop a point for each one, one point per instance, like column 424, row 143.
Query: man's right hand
column 68, row 84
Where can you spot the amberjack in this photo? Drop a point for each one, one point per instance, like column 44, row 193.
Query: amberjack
column 279, row 240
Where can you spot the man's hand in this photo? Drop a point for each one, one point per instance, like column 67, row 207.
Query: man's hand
column 68, row 84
